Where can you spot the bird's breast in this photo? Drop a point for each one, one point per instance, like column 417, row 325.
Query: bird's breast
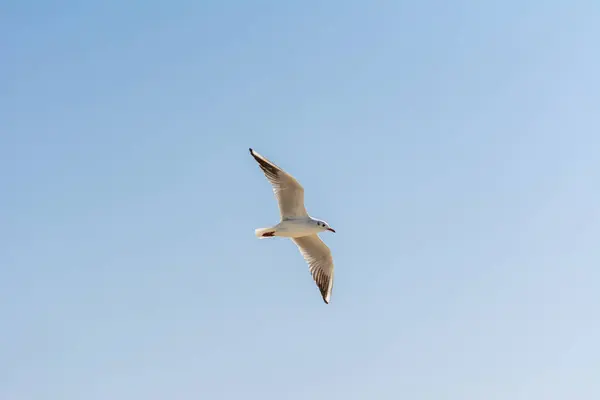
column 296, row 228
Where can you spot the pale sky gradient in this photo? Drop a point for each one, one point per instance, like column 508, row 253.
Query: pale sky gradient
column 454, row 146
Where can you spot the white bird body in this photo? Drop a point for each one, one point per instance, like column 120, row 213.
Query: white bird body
column 292, row 228
column 297, row 225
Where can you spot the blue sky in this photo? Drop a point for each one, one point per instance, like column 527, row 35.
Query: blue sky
column 454, row 148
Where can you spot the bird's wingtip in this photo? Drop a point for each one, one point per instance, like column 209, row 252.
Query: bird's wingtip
column 251, row 151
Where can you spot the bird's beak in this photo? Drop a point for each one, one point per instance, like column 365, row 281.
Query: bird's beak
column 331, row 229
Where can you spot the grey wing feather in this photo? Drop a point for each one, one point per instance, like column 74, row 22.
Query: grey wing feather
column 288, row 192
column 320, row 262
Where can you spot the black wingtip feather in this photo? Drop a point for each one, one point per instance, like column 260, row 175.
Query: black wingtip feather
column 267, row 167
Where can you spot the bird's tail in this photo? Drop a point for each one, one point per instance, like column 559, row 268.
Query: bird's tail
column 265, row 232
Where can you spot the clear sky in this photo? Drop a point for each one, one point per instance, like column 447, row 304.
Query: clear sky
column 455, row 148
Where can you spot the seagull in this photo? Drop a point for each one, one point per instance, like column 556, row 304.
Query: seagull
column 297, row 225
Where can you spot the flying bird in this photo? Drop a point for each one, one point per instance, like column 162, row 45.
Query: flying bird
column 297, row 225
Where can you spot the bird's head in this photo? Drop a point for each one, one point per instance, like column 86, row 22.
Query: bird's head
column 324, row 226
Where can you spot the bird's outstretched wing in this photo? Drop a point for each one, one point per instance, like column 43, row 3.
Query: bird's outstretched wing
column 320, row 262
column 288, row 192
